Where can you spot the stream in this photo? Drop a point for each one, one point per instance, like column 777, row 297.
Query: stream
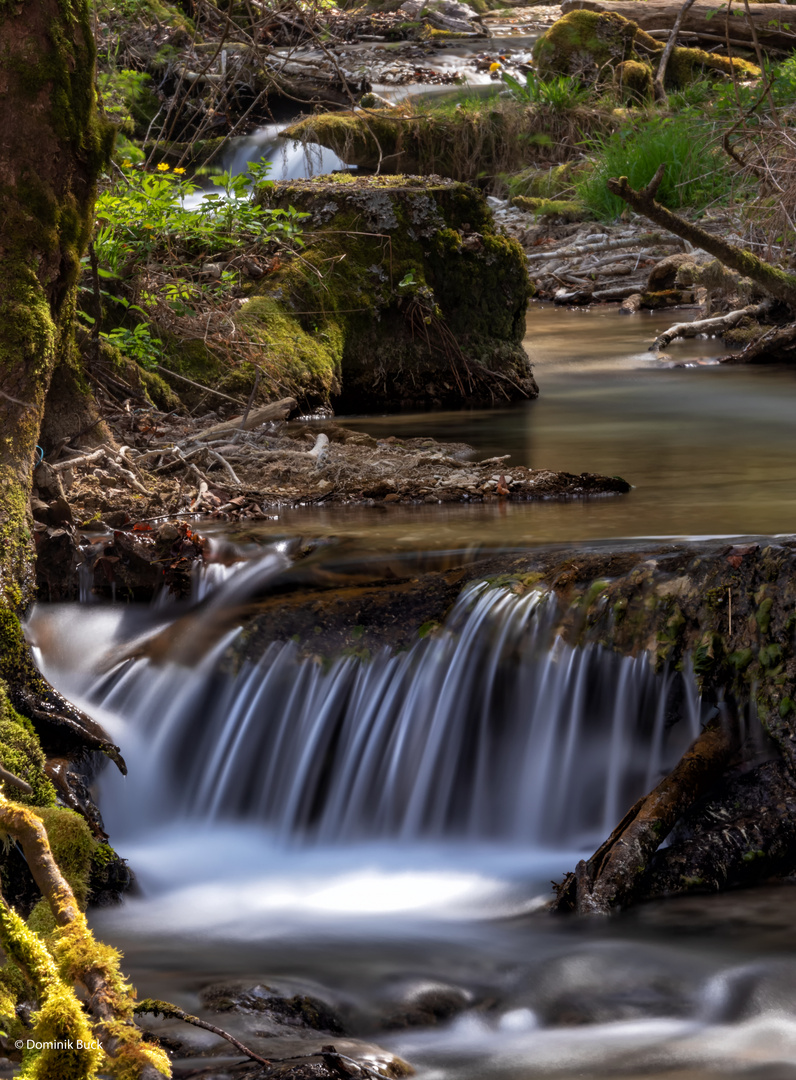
column 462, row 775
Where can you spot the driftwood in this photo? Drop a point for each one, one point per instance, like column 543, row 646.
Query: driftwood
column 715, row 325
column 706, row 18
column 576, row 250
column 277, row 410
column 777, row 283
column 609, row 878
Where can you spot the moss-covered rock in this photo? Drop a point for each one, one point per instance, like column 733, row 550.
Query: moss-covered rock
column 633, row 80
column 592, row 45
column 405, row 294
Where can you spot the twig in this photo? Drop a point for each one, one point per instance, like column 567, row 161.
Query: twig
column 172, row 1012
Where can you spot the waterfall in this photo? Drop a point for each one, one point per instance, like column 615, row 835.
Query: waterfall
column 489, row 729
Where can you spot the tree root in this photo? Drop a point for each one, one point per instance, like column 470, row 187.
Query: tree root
column 610, row 878
column 777, row 283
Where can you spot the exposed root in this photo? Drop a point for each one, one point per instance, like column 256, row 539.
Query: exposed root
column 609, row 879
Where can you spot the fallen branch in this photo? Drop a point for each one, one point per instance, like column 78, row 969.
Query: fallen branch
column 716, row 325
column 772, row 22
column 660, row 75
column 165, row 1008
column 778, row 283
column 73, row 955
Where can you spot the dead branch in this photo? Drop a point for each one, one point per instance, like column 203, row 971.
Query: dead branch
column 778, row 283
column 716, row 325
column 277, row 410
column 577, row 250
column 165, row 1008
column 657, row 86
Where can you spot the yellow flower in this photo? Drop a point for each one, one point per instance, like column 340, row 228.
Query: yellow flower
column 126, row 164
column 149, row 226
column 495, row 66
column 163, row 167
column 179, row 171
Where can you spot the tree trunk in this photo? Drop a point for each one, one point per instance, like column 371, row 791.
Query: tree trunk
column 713, row 22
column 52, row 148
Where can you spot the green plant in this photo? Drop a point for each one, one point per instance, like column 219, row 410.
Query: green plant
column 696, row 174
column 558, row 93
column 157, row 212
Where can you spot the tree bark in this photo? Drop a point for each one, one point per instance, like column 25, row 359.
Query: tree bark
column 777, row 283
column 706, row 18
column 52, row 148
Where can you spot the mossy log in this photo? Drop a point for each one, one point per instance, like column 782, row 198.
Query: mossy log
column 777, row 283
column 713, row 23
column 406, row 293
column 593, row 46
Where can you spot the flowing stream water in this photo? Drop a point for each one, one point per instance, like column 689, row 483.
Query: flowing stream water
column 367, row 831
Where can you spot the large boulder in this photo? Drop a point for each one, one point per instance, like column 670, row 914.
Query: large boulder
column 405, row 291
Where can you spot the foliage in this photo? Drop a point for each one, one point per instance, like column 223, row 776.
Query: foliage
column 149, row 212
column 558, row 93
column 695, row 176
column 155, row 216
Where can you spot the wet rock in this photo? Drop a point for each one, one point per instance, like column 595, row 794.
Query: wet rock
column 299, row 1010
column 604, row 985
column 425, row 1006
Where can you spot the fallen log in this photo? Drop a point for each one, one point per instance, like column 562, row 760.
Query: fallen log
column 772, row 22
column 277, row 410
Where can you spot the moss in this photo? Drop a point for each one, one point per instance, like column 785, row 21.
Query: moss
column 741, row 659
column 21, row 754
column 565, row 210
column 633, row 81
column 595, row 46
column 477, row 139
column 763, row 615
column 770, row 655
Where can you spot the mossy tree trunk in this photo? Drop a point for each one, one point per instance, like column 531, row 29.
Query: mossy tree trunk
column 52, row 148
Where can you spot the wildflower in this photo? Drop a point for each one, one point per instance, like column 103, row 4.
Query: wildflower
column 163, row 167
column 179, row 171
column 127, row 164
column 494, row 66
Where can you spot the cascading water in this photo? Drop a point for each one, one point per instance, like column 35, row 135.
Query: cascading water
column 489, row 729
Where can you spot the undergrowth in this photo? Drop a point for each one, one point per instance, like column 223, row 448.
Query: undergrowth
column 696, row 175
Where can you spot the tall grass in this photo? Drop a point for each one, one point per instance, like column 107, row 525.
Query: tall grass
column 696, row 172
